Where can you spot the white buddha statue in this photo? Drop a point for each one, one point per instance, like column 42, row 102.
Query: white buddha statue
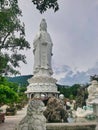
column 42, row 51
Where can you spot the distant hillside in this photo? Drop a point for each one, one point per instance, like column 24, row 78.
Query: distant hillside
column 22, row 80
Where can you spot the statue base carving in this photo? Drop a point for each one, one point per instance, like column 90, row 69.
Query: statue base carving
column 42, row 85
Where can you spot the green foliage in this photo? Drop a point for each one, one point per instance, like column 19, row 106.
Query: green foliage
column 77, row 92
column 23, row 89
column 22, row 98
column 94, row 77
column 3, row 63
column 5, row 82
column 81, row 97
column 7, row 95
column 69, row 91
column 12, row 37
column 43, row 5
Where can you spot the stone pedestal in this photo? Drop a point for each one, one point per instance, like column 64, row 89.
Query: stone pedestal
column 71, row 126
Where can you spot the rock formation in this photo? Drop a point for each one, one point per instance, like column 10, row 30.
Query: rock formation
column 54, row 111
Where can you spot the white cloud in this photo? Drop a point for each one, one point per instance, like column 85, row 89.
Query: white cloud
column 59, row 76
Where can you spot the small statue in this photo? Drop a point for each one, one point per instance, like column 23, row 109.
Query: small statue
column 34, row 119
column 92, row 91
column 83, row 112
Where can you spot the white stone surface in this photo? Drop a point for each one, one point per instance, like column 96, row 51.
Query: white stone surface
column 95, row 109
column 93, row 96
column 83, row 113
column 92, row 91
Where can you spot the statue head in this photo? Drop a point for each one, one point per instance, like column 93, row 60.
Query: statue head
column 43, row 25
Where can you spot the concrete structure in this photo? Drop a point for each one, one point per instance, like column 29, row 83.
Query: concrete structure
column 42, row 82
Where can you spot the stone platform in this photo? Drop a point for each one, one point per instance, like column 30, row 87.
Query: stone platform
column 71, row 126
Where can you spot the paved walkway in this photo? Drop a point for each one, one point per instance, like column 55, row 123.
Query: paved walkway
column 12, row 121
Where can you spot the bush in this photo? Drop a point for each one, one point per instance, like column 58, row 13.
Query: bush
column 11, row 111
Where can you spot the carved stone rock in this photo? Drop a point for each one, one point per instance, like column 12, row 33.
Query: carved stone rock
column 55, row 111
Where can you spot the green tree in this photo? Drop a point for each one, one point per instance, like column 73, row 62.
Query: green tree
column 94, row 77
column 69, row 91
column 5, row 82
column 43, row 5
column 74, row 88
column 7, row 95
column 12, row 37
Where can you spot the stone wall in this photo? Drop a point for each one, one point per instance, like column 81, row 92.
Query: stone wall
column 71, row 126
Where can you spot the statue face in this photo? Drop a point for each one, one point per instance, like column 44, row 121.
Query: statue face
column 43, row 25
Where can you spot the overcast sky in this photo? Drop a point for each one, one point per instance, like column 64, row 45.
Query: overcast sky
column 74, row 32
